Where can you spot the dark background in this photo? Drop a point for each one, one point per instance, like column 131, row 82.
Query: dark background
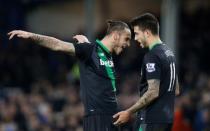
column 39, row 88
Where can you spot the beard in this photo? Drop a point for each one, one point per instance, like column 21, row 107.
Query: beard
column 118, row 50
column 142, row 43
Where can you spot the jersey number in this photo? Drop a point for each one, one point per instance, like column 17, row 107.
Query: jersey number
column 172, row 77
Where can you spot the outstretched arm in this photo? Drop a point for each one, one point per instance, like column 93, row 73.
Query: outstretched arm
column 46, row 41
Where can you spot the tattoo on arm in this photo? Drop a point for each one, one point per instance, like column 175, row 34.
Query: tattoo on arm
column 151, row 94
column 53, row 43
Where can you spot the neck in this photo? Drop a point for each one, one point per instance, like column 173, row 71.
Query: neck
column 107, row 43
column 154, row 40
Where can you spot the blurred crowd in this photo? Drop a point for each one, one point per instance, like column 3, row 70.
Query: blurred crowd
column 45, row 108
column 192, row 112
column 39, row 88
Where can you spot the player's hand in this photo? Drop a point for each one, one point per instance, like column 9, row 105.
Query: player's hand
column 122, row 117
column 81, row 39
column 19, row 33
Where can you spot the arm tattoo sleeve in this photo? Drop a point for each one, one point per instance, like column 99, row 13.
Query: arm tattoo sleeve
column 53, row 43
column 151, row 94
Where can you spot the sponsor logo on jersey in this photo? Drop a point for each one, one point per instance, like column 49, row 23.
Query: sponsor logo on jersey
column 107, row 63
column 150, row 67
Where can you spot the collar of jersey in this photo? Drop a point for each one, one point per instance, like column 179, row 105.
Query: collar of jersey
column 102, row 46
column 153, row 45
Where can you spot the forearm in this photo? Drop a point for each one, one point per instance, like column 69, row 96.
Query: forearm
column 146, row 99
column 150, row 95
column 53, row 43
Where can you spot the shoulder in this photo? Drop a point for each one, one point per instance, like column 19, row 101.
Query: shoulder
column 84, row 50
column 162, row 51
column 151, row 55
column 88, row 45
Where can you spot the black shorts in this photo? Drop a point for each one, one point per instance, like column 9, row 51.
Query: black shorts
column 154, row 127
column 99, row 123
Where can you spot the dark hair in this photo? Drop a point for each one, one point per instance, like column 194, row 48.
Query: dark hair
column 114, row 25
column 146, row 21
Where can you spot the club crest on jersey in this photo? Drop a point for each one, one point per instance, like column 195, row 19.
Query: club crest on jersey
column 107, row 63
column 150, row 67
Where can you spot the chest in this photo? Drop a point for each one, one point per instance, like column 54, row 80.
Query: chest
column 102, row 63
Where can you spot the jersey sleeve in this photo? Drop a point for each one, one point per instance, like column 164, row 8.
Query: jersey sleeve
column 153, row 67
column 83, row 51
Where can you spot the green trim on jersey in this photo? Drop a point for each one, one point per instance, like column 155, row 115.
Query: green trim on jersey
column 154, row 44
column 102, row 45
column 108, row 68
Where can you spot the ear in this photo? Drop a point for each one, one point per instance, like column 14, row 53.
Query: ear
column 147, row 33
column 116, row 36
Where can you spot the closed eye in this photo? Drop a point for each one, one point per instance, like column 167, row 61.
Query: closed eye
column 127, row 39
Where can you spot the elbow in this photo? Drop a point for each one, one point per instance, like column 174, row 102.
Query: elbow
column 155, row 95
column 177, row 93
